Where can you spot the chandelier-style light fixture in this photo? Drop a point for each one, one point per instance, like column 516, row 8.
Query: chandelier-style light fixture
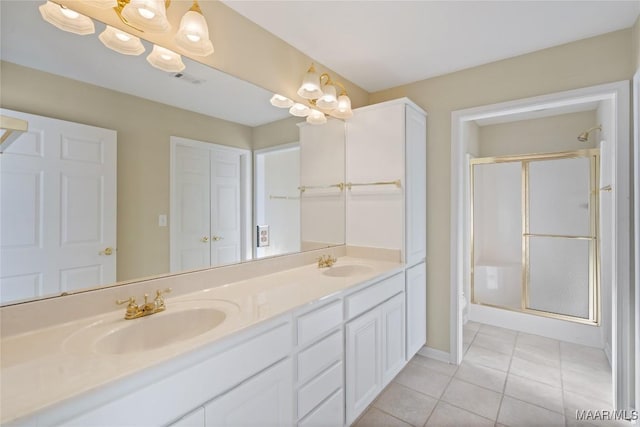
column 144, row 16
column 320, row 91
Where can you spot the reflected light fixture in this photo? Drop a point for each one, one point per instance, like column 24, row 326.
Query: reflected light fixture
column 281, row 101
column 148, row 15
column 66, row 19
column 141, row 15
column 193, row 35
column 165, row 59
column 120, row 41
column 320, row 91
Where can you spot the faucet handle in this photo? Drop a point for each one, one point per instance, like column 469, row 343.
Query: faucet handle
column 130, row 300
column 160, row 292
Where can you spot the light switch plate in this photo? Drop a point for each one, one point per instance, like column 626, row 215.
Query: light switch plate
column 162, row 220
column 263, row 236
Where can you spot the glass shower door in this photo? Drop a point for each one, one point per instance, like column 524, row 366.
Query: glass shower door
column 560, row 237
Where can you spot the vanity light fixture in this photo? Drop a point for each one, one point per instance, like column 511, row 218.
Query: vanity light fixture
column 121, row 42
column 281, row 101
column 320, row 91
column 103, row 4
column 66, row 19
column 193, row 35
column 165, row 59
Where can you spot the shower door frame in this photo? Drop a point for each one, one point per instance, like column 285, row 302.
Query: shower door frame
column 594, row 217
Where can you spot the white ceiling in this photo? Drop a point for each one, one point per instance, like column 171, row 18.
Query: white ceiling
column 382, row 44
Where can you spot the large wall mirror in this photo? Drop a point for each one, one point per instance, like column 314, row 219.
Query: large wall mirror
column 200, row 149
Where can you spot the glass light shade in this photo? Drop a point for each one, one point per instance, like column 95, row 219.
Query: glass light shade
column 344, row 108
column 66, row 19
column 281, row 101
column 121, row 42
column 148, row 15
column 103, row 4
column 300, row 110
column 328, row 100
column 193, row 35
column 316, row 118
column 165, row 60
column 310, row 88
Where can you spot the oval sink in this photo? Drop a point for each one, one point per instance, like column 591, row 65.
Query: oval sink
column 347, row 270
column 159, row 330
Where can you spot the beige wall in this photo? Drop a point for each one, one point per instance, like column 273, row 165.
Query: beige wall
column 544, row 135
column 242, row 48
column 276, row 133
column 583, row 63
column 144, row 128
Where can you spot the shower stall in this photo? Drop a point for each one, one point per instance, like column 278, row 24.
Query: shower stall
column 534, row 234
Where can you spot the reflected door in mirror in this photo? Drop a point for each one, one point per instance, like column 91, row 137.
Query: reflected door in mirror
column 207, row 223
column 58, row 195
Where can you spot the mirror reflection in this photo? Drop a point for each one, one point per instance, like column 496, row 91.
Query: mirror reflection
column 204, row 170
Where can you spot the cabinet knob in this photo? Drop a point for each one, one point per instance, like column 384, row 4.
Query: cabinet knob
column 106, row 251
column 216, row 238
column 205, row 239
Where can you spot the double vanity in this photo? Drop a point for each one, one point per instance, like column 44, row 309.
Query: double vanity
column 307, row 339
column 305, row 345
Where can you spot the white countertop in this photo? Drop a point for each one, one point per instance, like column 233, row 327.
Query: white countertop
column 46, row 367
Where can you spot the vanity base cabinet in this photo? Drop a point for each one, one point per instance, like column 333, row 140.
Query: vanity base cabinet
column 263, row 400
column 416, row 293
column 375, row 353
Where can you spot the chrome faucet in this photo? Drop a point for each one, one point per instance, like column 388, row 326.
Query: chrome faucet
column 326, row 261
column 134, row 310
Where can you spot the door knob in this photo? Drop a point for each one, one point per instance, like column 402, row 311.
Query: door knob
column 216, row 238
column 205, row 239
column 107, row 251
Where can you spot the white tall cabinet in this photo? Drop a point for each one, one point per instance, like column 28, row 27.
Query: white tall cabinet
column 386, row 151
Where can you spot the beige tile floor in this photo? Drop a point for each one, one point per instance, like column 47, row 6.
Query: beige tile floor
column 507, row 378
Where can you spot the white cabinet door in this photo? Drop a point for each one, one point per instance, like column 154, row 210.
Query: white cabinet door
column 363, row 362
column 393, row 338
column 265, row 400
column 416, row 295
column 416, row 185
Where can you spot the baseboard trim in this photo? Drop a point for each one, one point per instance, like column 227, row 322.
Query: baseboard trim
column 434, row 353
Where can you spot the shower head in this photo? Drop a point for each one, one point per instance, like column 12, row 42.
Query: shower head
column 584, row 136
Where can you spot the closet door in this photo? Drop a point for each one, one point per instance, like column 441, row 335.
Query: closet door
column 226, row 224
column 190, row 223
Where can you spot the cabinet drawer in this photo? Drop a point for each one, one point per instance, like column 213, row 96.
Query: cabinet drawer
column 319, row 389
column 373, row 295
column 319, row 356
column 315, row 323
column 330, row 413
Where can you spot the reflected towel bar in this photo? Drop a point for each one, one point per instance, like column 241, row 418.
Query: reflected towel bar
column 304, row 188
column 397, row 183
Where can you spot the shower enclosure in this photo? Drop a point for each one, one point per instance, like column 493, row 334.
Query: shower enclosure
column 534, row 234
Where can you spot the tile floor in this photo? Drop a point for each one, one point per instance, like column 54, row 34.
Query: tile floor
column 507, row 378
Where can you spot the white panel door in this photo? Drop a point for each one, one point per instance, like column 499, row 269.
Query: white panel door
column 416, row 186
column 226, row 224
column 58, row 200
column 190, row 221
column 363, row 362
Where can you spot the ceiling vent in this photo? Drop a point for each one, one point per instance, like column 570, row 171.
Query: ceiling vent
column 188, row 78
